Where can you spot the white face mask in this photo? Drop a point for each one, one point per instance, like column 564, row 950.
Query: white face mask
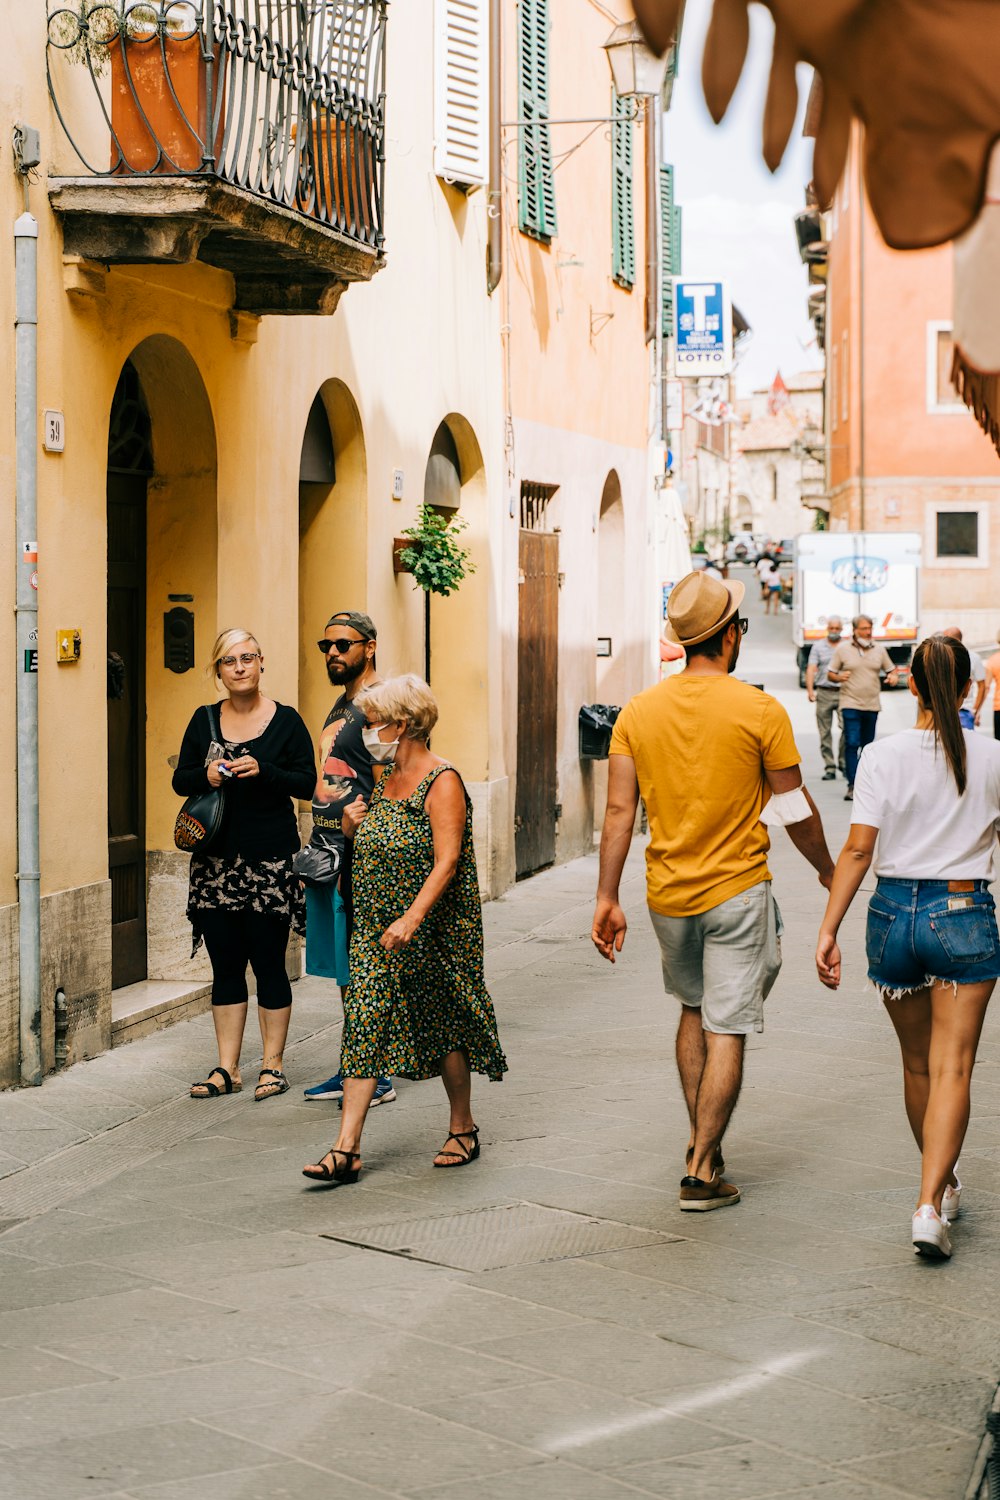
column 382, row 752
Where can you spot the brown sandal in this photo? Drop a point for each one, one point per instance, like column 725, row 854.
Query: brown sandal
column 466, row 1154
column 340, row 1176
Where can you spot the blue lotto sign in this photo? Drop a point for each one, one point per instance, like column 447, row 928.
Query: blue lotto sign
column 704, row 323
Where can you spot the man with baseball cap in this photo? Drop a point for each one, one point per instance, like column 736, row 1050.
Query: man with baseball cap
column 714, row 761
column 346, row 779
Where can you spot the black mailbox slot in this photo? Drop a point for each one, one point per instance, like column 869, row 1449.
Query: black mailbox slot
column 596, row 723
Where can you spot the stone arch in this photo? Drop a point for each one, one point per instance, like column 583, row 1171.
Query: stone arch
column 333, row 532
column 459, row 623
column 180, row 546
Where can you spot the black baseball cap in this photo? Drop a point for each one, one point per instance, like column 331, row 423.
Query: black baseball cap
column 363, row 624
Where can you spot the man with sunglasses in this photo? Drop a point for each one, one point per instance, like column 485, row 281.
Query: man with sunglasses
column 346, row 777
column 715, row 761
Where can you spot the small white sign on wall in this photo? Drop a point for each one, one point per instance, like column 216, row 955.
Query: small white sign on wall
column 54, row 431
column 397, row 484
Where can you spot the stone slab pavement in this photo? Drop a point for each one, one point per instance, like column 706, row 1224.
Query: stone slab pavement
column 183, row 1315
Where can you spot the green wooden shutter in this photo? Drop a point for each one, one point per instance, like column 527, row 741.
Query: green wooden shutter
column 622, row 215
column 669, row 249
column 536, row 181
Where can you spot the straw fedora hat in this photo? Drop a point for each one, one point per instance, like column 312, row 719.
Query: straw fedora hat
column 699, row 606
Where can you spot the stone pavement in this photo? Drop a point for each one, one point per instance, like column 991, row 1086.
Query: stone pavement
column 183, row 1315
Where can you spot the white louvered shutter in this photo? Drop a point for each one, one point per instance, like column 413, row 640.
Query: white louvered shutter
column 461, row 91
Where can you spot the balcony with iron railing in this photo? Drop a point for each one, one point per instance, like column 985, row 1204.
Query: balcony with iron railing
column 245, row 134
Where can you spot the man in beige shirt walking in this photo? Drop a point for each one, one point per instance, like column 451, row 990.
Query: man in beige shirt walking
column 857, row 666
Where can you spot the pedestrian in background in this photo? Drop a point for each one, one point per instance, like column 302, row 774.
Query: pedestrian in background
column 417, row 1004
column 826, row 696
column 992, row 681
column 929, row 798
column 244, row 896
column 714, row 760
column 771, row 584
column 762, row 568
column 856, row 667
column 971, row 709
column 346, row 779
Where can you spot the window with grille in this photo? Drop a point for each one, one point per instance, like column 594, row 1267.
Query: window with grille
column 536, row 177
column 622, row 211
column 957, row 533
column 670, row 248
column 534, row 503
column 461, row 91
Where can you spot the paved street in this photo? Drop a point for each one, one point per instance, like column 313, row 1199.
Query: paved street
column 184, row 1316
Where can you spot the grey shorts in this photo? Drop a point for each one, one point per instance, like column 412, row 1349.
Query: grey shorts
column 724, row 961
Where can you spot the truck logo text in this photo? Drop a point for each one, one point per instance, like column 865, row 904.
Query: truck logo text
column 860, row 575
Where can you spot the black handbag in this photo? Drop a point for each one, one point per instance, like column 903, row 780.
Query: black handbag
column 317, row 864
column 199, row 822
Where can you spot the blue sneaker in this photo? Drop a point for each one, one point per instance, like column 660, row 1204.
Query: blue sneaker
column 333, row 1088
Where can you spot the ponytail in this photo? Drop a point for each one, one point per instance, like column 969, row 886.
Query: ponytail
column 940, row 668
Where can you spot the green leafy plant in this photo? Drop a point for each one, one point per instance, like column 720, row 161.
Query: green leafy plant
column 435, row 558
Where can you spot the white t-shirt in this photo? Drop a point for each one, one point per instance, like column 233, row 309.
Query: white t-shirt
column 763, row 566
column 905, row 789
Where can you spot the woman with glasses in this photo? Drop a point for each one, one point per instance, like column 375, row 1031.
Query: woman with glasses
column 417, row 1004
column 244, row 896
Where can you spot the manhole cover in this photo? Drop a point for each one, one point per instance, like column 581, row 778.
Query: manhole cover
column 512, row 1234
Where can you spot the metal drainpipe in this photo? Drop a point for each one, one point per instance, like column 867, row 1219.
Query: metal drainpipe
column 26, row 487
column 653, row 287
column 494, row 222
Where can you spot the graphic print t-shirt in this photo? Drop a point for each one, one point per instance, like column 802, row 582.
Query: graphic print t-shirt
column 345, row 772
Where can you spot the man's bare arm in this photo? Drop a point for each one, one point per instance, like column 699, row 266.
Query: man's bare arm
column 610, row 926
column 811, row 680
column 807, row 835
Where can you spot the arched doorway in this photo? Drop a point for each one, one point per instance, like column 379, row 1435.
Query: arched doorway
column 333, row 534
column 457, row 626
column 162, row 557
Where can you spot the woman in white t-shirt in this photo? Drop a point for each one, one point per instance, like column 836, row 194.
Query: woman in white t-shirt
column 930, row 797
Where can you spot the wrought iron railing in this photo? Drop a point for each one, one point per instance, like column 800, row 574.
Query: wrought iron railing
column 282, row 98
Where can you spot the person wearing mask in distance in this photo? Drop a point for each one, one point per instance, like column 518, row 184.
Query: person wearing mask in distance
column 826, row 696
column 346, row 778
column 715, row 763
column 929, row 799
column 856, row 668
column 417, row 1004
column 244, row 896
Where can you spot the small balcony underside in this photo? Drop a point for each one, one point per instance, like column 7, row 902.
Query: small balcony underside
column 281, row 261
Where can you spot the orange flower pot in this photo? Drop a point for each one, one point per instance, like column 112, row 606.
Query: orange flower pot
column 159, row 104
column 344, row 167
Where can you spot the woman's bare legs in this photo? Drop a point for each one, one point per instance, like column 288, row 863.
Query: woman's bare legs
column 358, row 1095
column 938, row 1031
column 230, row 1021
column 457, row 1079
column 273, row 1033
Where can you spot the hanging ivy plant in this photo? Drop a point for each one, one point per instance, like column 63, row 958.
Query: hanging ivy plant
column 435, row 558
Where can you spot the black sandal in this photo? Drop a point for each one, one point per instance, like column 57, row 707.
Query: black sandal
column 213, row 1090
column 271, row 1090
column 463, row 1157
column 341, row 1176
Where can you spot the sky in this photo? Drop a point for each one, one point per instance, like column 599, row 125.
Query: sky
column 737, row 217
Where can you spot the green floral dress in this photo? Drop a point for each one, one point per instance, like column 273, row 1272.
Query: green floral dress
column 404, row 1011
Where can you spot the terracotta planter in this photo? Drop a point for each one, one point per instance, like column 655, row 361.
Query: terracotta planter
column 399, row 545
column 154, row 131
column 344, row 165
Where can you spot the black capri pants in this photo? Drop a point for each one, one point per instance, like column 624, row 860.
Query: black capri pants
column 237, row 938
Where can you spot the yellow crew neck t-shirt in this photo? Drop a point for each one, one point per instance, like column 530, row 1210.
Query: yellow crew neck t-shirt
column 701, row 746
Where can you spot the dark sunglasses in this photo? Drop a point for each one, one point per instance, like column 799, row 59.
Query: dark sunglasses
column 341, row 647
column 744, row 626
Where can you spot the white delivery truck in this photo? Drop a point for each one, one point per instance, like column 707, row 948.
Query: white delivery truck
column 849, row 573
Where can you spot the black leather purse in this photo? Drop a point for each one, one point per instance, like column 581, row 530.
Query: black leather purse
column 199, row 822
column 317, row 865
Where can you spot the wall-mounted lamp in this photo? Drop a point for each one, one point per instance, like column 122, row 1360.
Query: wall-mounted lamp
column 635, row 70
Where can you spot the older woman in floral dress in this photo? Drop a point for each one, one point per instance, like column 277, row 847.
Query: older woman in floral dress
column 417, row 1006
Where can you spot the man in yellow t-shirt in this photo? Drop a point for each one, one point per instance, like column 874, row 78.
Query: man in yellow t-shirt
column 711, row 757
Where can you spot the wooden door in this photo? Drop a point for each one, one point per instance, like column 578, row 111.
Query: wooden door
column 127, row 725
column 537, row 701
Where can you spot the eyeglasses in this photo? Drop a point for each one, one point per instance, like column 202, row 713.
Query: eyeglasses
column 341, row 647
column 744, row 626
column 244, row 659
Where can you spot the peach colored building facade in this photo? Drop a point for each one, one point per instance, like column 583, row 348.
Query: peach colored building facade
column 904, row 453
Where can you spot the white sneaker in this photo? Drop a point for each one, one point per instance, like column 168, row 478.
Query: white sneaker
column 951, row 1202
column 930, row 1233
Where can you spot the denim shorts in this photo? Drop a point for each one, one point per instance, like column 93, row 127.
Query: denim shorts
column 724, row 961
column 920, row 931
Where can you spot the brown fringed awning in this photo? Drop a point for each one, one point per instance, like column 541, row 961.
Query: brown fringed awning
column 976, row 328
column 921, row 75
